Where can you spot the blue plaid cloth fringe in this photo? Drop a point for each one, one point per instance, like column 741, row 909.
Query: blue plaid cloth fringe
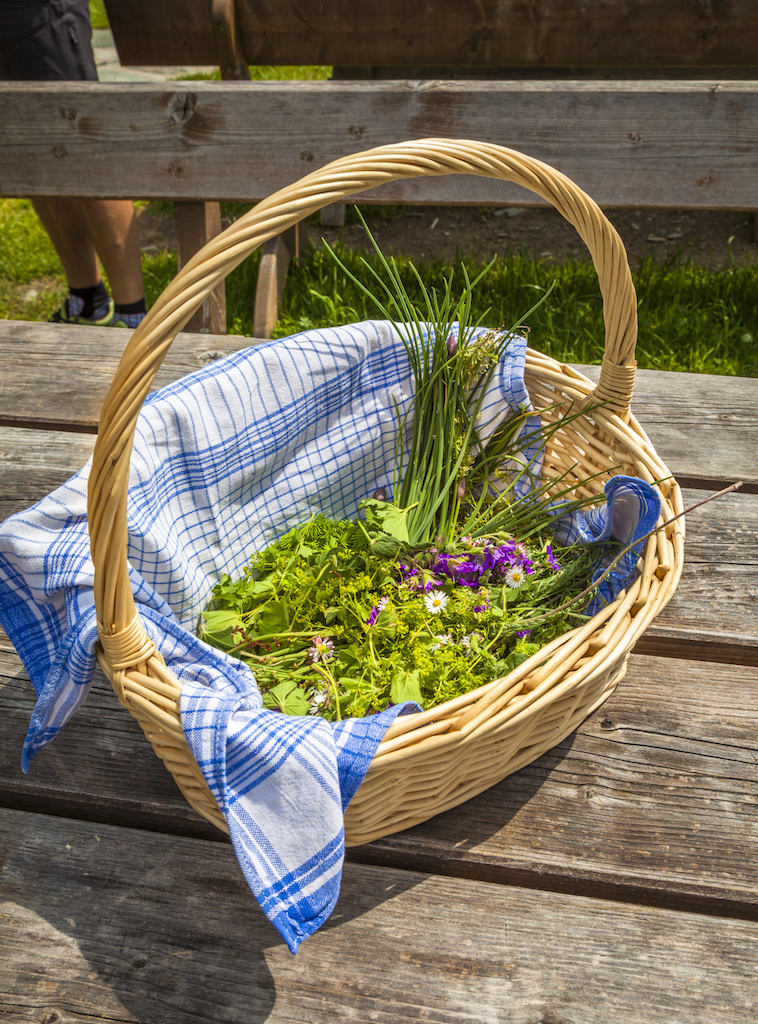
column 224, row 462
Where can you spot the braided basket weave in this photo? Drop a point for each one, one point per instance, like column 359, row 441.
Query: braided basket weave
column 435, row 760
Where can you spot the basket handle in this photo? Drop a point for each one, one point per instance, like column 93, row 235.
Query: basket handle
column 109, row 476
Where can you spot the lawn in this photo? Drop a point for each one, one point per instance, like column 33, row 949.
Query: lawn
column 691, row 319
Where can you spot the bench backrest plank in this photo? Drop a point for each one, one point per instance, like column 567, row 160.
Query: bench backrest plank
column 627, row 144
column 550, row 33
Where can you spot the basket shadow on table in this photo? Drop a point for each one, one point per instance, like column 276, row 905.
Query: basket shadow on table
column 179, row 940
column 152, row 917
column 447, row 843
column 197, row 951
column 154, row 913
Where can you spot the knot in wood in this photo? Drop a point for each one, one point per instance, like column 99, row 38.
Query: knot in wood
column 181, row 106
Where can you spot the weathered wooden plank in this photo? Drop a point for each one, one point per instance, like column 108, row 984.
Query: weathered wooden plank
column 716, row 600
column 34, row 462
column 704, row 427
column 111, row 923
column 464, row 32
column 196, row 224
column 629, row 806
column 677, row 144
column 50, row 378
column 651, row 800
column 728, row 647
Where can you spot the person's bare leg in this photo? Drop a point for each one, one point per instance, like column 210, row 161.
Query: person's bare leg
column 65, row 223
column 82, row 229
column 112, row 226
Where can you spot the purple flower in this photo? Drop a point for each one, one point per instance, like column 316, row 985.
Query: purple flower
column 424, row 581
column 523, row 632
column 377, row 610
column 550, row 560
column 481, row 608
column 465, row 572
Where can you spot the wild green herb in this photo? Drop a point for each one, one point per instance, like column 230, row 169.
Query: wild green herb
column 446, row 586
column 331, row 627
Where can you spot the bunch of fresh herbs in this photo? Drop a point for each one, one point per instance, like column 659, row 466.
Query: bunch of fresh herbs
column 445, row 587
column 330, row 627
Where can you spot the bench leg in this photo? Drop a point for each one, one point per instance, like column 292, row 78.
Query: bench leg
column 196, row 224
column 272, row 276
column 231, row 55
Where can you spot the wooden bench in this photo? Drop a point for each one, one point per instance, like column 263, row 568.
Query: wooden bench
column 613, row 879
column 452, row 39
column 534, row 77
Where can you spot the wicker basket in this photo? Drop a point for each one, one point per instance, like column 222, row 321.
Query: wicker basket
column 435, row 760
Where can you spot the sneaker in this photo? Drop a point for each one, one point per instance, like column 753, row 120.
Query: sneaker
column 62, row 316
column 128, row 320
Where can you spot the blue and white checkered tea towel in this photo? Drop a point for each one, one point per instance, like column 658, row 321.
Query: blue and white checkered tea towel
column 224, row 462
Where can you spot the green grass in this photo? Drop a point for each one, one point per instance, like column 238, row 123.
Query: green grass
column 690, row 319
column 97, row 14
column 266, row 73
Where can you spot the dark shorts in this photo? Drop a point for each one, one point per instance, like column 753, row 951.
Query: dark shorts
column 46, row 41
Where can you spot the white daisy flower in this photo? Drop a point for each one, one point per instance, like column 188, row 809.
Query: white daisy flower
column 465, row 641
column 442, row 641
column 317, row 699
column 436, row 601
column 515, row 577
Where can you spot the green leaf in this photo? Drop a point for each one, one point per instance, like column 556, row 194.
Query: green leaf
column 388, row 518
column 260, row 588
column 386, row 623
column 385, row 546
column 286, row 697
column 223, row 621
column 405, row 685
column 273, row 618
column 352, row 656
column 523, row 650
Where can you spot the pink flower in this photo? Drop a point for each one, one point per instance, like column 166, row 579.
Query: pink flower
column 322, row 650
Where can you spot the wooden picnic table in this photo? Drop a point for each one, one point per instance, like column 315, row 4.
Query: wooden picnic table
column 614, row 879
